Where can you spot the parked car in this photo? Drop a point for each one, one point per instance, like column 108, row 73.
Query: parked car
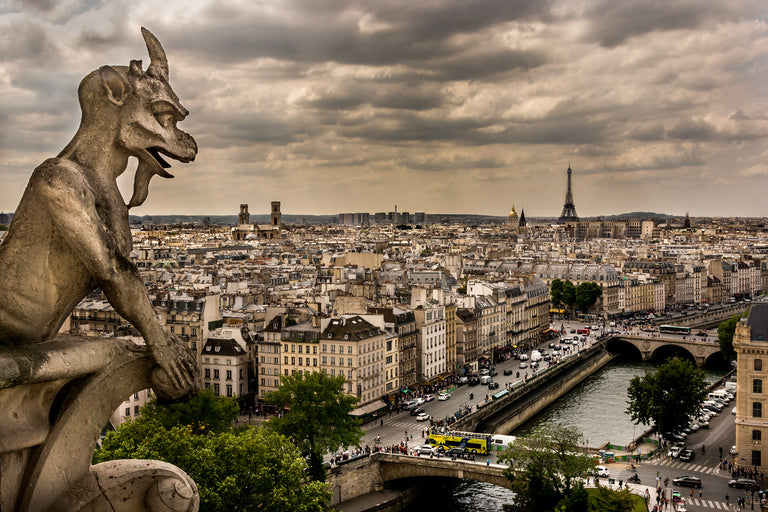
column 422, row 417
column 687, row 456
column 443, row 396
column 743, row 483
column 688, row 481
column 602, row 471
column 493, row 385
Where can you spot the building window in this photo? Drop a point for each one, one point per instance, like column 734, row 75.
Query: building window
column 758, row 365
column 301, row 359
column 127, row 411
column 207, row 373
column 756, row 435
column 229, row 390
column 757, row 410
column 216, row 389
column 135, row 409
column 216, row 374
column 229, row 375
column 286, row 359
column 756, row 458
column 757, row 386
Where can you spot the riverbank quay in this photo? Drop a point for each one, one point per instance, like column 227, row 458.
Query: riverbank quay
column 527, row 398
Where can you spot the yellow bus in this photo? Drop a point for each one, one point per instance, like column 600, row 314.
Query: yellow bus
column 472, row 441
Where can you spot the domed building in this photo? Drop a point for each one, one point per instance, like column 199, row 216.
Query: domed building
column 512, row 218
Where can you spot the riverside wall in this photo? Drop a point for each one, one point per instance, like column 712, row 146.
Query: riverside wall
column 537, row 400
column 504, row 415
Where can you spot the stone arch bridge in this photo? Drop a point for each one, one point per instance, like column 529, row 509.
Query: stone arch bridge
column 370, row 473
column 650, row 347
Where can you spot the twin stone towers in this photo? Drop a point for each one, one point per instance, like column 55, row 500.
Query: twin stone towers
column 70, row 235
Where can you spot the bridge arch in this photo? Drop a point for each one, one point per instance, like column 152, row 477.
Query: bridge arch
column 620, row 345
column 669, row 350
column 399, row 467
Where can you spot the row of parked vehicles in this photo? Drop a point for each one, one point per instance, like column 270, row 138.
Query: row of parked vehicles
column 715, row 402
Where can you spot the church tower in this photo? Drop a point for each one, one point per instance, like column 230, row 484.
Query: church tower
column 244, row 217
column 276, row 216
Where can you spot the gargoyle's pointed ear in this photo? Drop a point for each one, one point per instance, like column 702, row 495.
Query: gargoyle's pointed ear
column 158, row 63
column 135, row 68
column 115, row 85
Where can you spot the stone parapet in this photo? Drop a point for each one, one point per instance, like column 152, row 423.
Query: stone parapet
column 55, row 399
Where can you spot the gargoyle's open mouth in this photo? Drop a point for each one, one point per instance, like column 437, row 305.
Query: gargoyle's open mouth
column 155, row 152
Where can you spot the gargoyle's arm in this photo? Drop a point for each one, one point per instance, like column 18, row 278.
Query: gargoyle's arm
column 74, row 211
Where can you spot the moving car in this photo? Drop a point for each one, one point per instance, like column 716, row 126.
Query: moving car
column 417, row 411
column 509, row 371
column 733, row 450
column 428, row 398
column 457, row 452
column 422, row 417
column 493, row 385
column 443, row 396
column 743, row 483
column 602, row 471
column 427, row 450
column 675, row 451
column 687, row 456
column 687, row 480
column 523, row 365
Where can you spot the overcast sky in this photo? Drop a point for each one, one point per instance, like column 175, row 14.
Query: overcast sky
column 443, row 106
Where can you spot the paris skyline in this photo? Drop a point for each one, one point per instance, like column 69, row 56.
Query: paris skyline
column 449, row 107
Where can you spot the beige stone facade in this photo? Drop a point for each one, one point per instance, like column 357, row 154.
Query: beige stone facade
column 751, row 344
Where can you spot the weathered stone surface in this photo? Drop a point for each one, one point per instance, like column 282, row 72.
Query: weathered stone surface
column 69, row 235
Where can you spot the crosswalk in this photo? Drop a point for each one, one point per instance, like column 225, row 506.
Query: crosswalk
column 688, row 466
column 717, row 505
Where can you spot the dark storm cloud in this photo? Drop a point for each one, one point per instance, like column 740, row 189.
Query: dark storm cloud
column 691, row 129
column 410, row 32
column 612, row 22
column 352, row 94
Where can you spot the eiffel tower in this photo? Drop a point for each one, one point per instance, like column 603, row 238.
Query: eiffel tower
column 569, row 210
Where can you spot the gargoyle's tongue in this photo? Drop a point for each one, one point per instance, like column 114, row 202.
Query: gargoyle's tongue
column 149, row 166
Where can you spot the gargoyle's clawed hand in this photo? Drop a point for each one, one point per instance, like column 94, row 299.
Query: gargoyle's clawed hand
column 176, row 374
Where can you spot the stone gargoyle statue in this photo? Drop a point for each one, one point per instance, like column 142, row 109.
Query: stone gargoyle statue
column 70, row 235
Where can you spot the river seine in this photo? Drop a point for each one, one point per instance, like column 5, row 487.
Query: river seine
column 597, row 407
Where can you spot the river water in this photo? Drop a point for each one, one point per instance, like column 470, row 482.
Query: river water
column 597, row 407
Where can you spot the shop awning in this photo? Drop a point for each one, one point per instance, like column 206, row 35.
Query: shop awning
column 368, row 409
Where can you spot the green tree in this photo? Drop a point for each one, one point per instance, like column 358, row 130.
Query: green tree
column 604, row 499
column 204, row 413
column 238, row 469
column 569, row 294
column 669, row 397
column 556, row 292
column 318, row 418
column 725, row 333
column 587, row 294
column 544, row 467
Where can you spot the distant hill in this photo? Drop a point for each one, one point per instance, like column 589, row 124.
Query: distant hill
column 639, row 215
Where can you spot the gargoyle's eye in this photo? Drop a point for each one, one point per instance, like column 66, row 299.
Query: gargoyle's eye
column 164, row 118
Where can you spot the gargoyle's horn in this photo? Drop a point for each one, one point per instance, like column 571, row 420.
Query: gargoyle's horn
column 158, row 63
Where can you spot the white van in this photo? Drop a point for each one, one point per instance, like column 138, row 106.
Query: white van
column 485, row 379
column 535, row 356
column 719, row 394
